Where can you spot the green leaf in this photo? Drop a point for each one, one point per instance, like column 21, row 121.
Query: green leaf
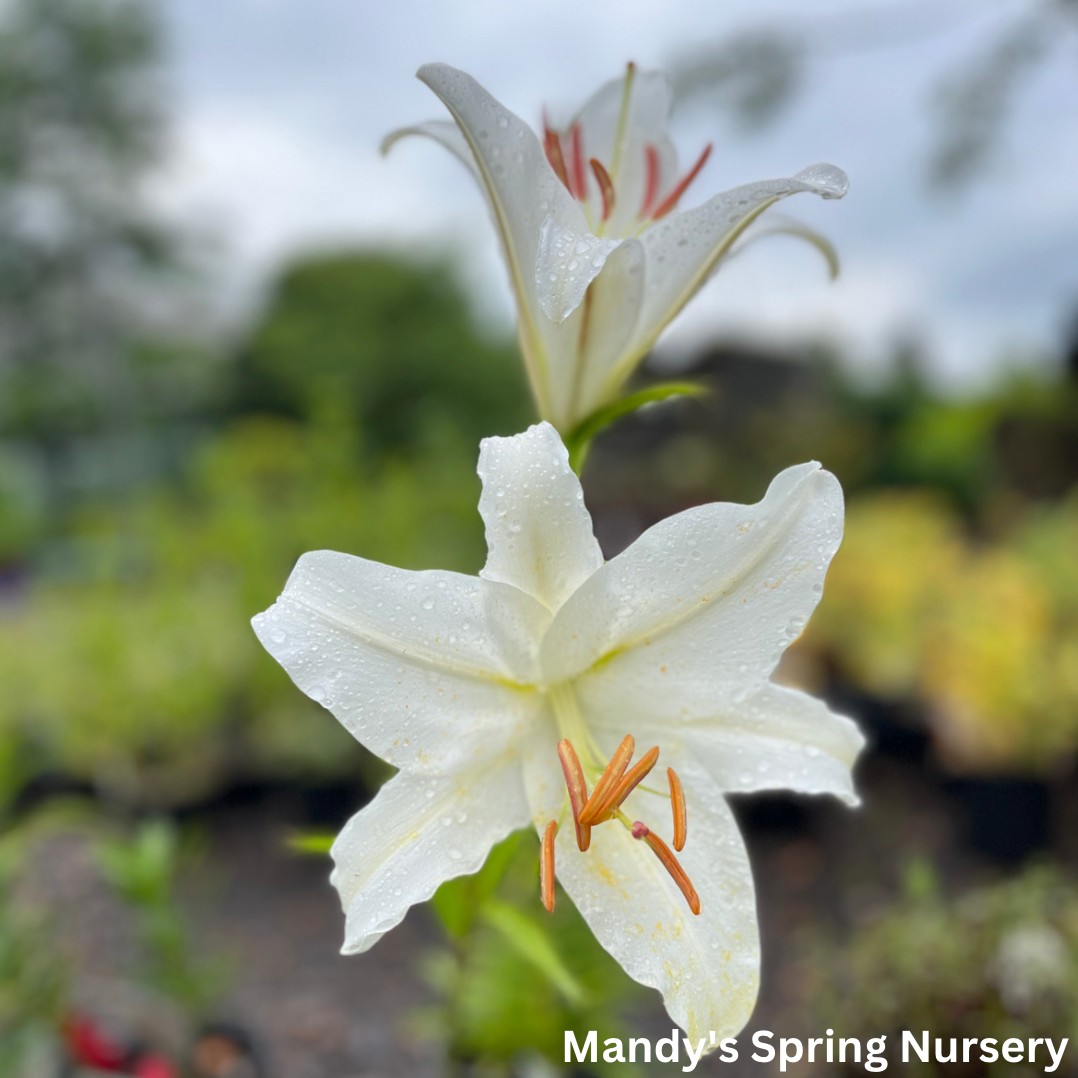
column 579, row 440
column 316, row 843
column 458, row 901
column 534, row 946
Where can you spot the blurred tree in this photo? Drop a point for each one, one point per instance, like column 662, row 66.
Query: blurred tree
column 83, row 263
column 390, row 341
column 753, row 75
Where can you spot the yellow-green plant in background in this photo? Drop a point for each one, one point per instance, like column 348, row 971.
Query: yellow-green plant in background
column 984, row 632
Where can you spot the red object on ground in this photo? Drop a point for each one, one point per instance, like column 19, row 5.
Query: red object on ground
column 91, row 1046
column 154, row 1066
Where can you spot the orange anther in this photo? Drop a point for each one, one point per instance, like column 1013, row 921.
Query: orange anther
column 632, row 778
column 651, row 185
column 546, row 866
column 580, row 179
column 671, row 199
column 677, row 803
column 606, row 186
column 578, row 790
column 552, row 145
column 610, row 778
column 671, row 864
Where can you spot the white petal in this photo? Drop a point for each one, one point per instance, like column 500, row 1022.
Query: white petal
column 774, row 738
column 647, row 123
column 428, row 670
column 444, row 131
column 707, row 967
column 683, row 248
column 417, row 833
column 616, row 298
column 709, row 597
column 523, row 191
column 539, row 533
column 566, row 263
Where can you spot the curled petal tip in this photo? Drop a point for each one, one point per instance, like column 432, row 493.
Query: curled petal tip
column 828, row 181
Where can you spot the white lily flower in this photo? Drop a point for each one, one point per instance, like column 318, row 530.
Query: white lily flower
column 478, row 688
column 598, row 259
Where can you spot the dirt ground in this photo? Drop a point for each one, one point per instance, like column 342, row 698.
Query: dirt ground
column 273, row 917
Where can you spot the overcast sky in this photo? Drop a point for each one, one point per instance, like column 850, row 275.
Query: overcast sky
column 280, row 106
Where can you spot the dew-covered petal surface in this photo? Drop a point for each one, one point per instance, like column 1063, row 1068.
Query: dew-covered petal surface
column 615, row 300
column 647, row 124
column 682, row 248
column 523, row 192
column 707, row 599
column 707, row 967
column 772, row 738
column 539, row 533
column 444, row 131
column 566, row 263
column 428, row 670
column 418, row 832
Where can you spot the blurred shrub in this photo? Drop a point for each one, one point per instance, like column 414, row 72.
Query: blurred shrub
column 984, row 633
column 128, row 659
column 392, row 341
column 33, row 977
column 999, row 962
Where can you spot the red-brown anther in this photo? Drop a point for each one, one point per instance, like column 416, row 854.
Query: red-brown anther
column 672, row 865
column 610, row 778
column 651, row 184
column 546, row 866
column 578, row 790
column 606, row 186
column 671, row 199
column 630, row 780
column 580, row 177
column 552, row 145
column 677, row 803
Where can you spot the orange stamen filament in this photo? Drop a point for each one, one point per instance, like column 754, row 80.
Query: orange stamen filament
column 630, row 781
column 677, row 803
column 546, row 866
column 670, row 863
column 580, row 178
column 552, row 145
column 671, row 199
column 610, row 778
column 651, row 185
column 578, row 790
column 606, row 186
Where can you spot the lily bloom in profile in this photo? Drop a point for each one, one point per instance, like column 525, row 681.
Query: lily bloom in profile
column 517, row 698
column 600, row 256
